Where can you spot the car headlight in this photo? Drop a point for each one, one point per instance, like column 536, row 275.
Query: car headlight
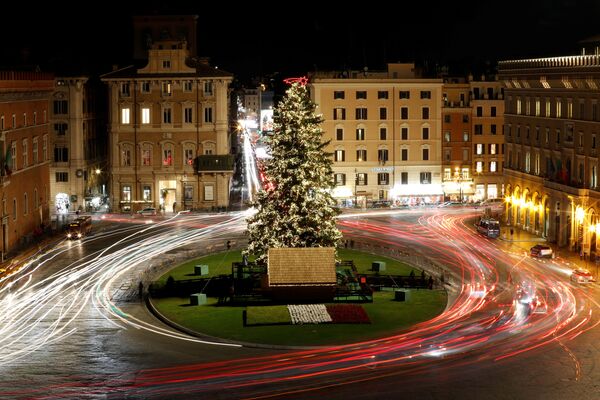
column 69, row 235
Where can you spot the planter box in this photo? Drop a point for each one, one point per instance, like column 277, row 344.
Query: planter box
column 402, row 295
column 378, row 266
column 197, row 299
column 201, row 270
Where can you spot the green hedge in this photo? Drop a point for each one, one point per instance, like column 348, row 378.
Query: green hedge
column 267, row 315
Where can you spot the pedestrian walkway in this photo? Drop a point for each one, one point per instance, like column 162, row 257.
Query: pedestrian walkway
column 526, row 240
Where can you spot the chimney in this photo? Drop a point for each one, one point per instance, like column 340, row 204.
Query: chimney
column 115, row 67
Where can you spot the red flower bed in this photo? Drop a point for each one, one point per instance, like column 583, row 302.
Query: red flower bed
column 348, row 314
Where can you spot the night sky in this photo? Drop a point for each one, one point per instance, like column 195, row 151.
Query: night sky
column 247, row 40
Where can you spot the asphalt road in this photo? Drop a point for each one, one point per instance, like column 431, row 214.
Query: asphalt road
column 73, row 326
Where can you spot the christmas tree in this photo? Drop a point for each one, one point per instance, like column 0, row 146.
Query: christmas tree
column 295, row 206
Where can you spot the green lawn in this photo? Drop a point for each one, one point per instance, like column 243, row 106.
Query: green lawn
column 387, row 316
column 220, row 263
column 363, row 263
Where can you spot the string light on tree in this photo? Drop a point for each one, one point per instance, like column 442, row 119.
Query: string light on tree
column 295, row 206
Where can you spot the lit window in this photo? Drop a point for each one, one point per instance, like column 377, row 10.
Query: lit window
column 166, row 88
column 146, row 157
column 493, row 166
column 126, row 158
column 125, row 116
column 167, row 157
column 145, row 115
column 479, row 167
column 189, row 156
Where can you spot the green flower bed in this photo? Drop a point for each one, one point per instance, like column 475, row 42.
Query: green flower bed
column 267, row 315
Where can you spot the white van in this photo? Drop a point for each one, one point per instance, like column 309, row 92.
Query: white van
column 492, row 202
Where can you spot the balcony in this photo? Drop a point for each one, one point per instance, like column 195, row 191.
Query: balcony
column 214, row 163
column 561, row 187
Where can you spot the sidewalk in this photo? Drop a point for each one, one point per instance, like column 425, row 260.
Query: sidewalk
column 526, row 240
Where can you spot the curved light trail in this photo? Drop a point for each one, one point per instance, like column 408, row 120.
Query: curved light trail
column 504, row 304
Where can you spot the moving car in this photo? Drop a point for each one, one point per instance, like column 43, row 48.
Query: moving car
column 581, row 275
column 148, row 211
column 540, row 250
column 489, row 227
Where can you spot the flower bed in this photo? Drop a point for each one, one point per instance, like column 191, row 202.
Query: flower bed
column 348, row 314
column 267, row 315
column 309, row 314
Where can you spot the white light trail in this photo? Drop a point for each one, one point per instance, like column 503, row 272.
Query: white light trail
column 35, row 313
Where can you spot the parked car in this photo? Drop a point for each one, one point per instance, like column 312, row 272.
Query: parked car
column 581, row 275
column 540, row 250
column 147, row 211
column 451, row 204
column 493, row 202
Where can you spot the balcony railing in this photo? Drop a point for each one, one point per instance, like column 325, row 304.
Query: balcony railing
column 214, row 163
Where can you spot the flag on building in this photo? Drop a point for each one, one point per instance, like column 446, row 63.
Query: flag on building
column 7, row 162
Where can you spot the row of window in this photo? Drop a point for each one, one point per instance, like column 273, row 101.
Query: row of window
column 25, row 157
column 382, row 155
column 36, row 204
column 383, row 178
column 381, row 94
column 168, row 154
column 568, row 138
column 166, row 88
column 362, row 135
column 339, row 113
column 3, row 125
column 167, row 115
column 535, row 107
column 554, row 168
column 188, row 193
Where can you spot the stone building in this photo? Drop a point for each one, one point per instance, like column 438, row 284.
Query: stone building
column 385, row 132
column 552, row 123
column 168, row 132
column 24, row 102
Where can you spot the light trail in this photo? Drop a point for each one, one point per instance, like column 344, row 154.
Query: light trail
column 491, row 319
column 35, row 314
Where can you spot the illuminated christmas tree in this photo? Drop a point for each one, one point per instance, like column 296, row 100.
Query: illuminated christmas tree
column 295, row 206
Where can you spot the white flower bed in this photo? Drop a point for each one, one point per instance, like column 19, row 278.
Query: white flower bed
column 309, row 313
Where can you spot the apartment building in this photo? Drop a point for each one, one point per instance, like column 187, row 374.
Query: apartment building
column 78, row 169
column 472, row 138
column 552, row 123
column 384, row 130
column 24, row 102
column 169, row 143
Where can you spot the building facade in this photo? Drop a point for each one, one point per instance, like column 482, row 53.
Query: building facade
column 384, row 130
column 473, row 141
column 78, row 172
column 457, row 148
column 24, row 103
column 169, row 143
column 552, row 125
